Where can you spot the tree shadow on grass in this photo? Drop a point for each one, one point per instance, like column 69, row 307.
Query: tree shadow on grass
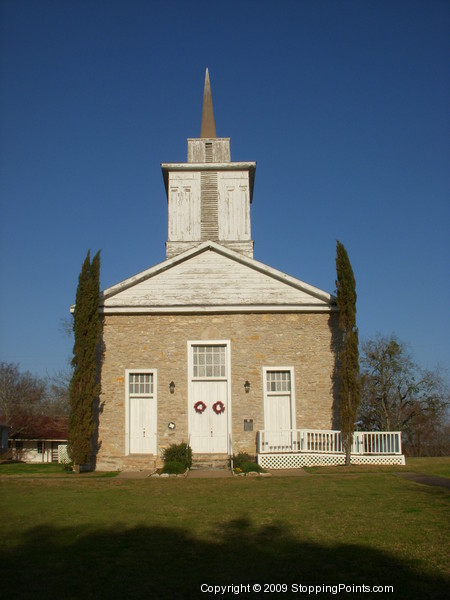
column 168, row 563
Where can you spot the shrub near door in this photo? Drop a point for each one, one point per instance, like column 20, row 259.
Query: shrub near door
column 177, row 458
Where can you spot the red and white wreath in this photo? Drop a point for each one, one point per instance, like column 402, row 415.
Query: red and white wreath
column 218, row 407
column 199, row 407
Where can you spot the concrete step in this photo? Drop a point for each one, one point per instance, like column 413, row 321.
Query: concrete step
column 210, row 466
column 211, row 462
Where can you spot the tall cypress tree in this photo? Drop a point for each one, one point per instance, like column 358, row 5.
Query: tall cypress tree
column 350, row 394
column 84, row 386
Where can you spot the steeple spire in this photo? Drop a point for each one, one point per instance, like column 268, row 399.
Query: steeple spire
column 208, row 129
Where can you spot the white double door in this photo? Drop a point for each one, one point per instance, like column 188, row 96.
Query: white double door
column 209, row 427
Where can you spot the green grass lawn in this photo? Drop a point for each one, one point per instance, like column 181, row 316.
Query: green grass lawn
column 85, row 537
column 429, row 466
column 19, row 468
column 435, row 466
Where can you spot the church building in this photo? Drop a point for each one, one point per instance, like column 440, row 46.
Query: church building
column 212, row 347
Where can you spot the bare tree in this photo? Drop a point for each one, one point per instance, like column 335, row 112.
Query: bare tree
column 398, row 395
column 21, row 397
column 57, row 402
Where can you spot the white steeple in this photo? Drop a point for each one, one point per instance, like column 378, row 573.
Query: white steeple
column 209, row 196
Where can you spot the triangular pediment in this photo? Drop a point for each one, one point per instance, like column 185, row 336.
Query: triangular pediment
column 211, row 278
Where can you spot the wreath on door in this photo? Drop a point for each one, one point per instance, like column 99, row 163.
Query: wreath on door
column 219, row 407
column 199, row 407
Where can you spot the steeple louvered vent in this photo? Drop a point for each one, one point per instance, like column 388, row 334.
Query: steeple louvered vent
column 208, row 152
column 209, row 206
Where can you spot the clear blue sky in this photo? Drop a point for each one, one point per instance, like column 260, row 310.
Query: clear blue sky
column 343, row 104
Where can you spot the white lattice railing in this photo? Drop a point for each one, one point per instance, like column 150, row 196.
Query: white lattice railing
column 63, row 455
column 377, row 442
column 309, row 459
column 328, row 441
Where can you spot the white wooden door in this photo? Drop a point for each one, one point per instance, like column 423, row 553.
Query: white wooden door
column 142, row 411
column 208, row 398
column 142, row 426
column 209, row 428
column 278, row 428
column 278, row 410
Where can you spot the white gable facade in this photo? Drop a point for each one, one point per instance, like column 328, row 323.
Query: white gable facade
column 211, row 278
column 212, row 347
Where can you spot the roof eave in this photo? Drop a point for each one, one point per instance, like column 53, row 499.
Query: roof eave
column 217, row 309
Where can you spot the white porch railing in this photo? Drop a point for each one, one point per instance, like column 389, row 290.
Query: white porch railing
column 328, row 441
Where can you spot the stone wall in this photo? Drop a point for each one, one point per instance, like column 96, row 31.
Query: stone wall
column 302, row 341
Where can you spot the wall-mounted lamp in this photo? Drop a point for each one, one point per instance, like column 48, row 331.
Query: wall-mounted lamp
column 171, row 387
column 247, row 386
